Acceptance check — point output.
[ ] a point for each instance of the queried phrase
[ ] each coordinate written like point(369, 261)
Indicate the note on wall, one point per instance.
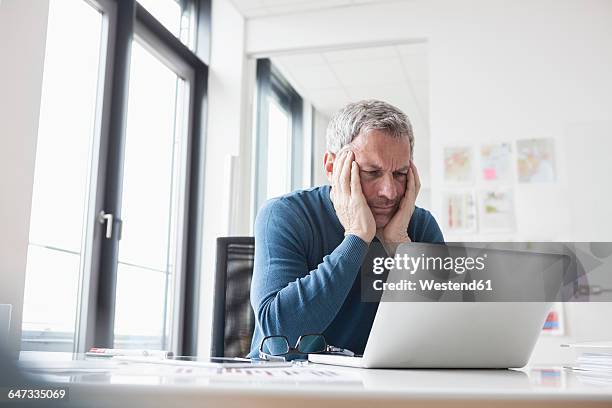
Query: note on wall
point(535, 160)
point(458, 164)
point(459, 211)
point(496, 162)
point(496, 210)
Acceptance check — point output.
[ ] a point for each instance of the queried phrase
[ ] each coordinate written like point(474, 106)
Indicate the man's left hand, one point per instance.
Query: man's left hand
point(396, 231)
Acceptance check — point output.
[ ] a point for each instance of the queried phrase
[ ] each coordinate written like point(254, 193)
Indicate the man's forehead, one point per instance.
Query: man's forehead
point(392, 154)
point(378, 161)
point(365, 165)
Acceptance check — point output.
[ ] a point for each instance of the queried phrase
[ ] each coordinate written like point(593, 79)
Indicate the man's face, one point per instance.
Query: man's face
point(383, 162)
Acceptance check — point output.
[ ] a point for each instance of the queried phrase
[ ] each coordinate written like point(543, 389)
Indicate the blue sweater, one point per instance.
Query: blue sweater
point(304, 277)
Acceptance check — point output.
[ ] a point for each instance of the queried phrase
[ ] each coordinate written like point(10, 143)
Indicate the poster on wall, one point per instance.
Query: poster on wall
point(459, 211)
point(554, 321)
point(535, 160)
point(496, 162)
point(496, 210)
point(458, 166)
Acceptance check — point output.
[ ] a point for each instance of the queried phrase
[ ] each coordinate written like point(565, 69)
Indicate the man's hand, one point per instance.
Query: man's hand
point(396, 231)
point(349, 202)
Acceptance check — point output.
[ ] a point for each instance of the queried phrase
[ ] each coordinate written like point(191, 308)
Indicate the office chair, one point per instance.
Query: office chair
point(233, 319)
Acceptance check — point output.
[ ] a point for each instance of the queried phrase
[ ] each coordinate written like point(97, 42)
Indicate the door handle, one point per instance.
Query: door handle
point(108, 219)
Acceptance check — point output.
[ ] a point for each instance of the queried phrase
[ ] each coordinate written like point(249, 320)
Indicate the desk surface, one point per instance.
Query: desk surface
point(313, 385)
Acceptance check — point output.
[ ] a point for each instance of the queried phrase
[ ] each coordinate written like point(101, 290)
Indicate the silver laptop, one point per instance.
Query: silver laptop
point(474, 334)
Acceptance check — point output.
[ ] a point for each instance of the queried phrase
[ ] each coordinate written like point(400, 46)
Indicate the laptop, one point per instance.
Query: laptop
point(479, 333)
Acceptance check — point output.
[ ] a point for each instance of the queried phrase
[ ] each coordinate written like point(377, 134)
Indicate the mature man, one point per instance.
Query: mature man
point(310, 244)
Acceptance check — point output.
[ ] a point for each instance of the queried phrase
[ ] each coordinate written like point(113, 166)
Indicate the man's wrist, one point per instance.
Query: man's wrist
point(354, 248)
point(364, 237)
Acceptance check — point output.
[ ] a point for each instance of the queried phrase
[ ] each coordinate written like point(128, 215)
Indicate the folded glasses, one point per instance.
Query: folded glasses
point(277, 348)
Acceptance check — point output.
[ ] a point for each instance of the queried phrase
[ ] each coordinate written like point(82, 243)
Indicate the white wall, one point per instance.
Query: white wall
point(319, 147)
point(549, 79)
point(23, 30)
point(501, 70)
point(227, 120)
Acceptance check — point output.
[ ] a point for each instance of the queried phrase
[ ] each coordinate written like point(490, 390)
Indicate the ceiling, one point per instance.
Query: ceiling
point(264, 8)
point(397, 74)
point(331, 78)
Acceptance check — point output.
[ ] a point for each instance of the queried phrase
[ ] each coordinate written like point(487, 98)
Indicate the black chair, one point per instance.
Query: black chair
point(233, 319)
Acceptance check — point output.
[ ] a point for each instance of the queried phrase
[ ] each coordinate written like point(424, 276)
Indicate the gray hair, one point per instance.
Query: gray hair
point(363, 116)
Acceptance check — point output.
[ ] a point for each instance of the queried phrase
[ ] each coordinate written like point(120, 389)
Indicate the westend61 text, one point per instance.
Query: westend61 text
point(430, 284)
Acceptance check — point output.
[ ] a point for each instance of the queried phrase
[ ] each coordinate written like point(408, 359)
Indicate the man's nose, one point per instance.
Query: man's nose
point(386, 187)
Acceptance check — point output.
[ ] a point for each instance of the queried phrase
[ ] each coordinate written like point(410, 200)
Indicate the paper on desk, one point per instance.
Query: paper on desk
point(300, 374)
point(605, 346)
point(203, 364)
point(69, 366)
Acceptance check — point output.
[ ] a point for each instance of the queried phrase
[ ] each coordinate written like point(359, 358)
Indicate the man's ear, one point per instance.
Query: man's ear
point(328, 163)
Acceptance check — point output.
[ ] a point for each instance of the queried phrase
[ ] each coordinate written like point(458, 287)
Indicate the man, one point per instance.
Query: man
point(310, 244)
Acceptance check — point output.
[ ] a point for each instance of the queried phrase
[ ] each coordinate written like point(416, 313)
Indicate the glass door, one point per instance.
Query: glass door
point(145, 294)
point(153, 197)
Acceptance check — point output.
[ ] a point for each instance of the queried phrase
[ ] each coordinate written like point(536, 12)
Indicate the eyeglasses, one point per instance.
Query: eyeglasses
point(277, 348)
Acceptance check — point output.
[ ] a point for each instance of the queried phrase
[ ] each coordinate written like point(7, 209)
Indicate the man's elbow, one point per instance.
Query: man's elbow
point(267, 317)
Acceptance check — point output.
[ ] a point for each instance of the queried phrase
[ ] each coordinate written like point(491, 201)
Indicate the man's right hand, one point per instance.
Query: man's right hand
point(349, 202)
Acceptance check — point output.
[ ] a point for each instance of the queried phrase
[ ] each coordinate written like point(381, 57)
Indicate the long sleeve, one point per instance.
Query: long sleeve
point(286, 297)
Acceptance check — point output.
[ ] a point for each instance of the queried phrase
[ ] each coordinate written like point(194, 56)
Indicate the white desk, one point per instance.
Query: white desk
point(317, 386)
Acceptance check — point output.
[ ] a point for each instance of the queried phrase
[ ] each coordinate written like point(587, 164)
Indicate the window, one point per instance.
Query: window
point(179, 20)
point(151, 202)
point(63, 161)
point(112, 261)
point(279, 135)
point(279, 150)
